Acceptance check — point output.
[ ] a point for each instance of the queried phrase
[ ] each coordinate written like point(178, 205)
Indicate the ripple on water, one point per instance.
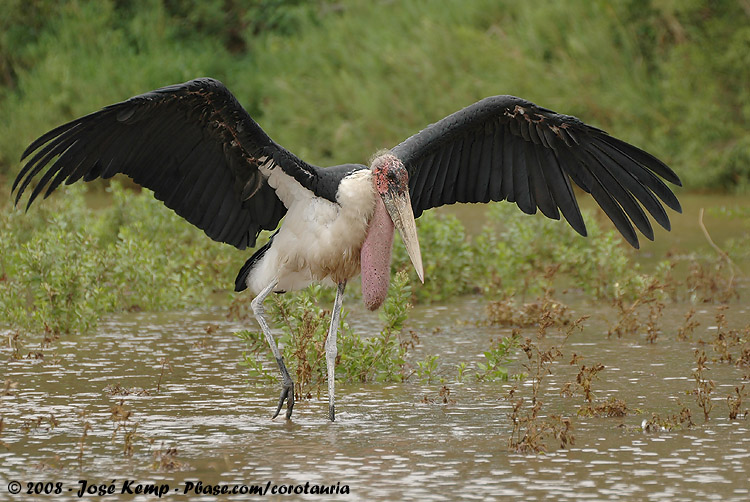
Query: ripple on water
point(387, 444)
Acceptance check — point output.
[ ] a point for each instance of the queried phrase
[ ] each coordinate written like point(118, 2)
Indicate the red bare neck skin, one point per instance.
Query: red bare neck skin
point(376, 257)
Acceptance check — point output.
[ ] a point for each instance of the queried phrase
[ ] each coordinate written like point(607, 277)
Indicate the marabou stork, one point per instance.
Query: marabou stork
point(202, 155)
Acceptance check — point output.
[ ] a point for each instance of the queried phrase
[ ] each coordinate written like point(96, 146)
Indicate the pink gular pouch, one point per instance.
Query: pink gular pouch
point(376, 257)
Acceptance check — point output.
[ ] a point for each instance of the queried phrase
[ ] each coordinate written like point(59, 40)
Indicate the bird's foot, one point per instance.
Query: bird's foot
point(332, 412)
point(287, 394)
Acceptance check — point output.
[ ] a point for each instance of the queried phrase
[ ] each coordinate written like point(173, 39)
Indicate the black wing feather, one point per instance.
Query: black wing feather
point(496, 173)
point(523, 195)
point(542, 193)
point(485, 164)
point(450, 152)
point(514, 150)
point(192, 144)
point(562, 191)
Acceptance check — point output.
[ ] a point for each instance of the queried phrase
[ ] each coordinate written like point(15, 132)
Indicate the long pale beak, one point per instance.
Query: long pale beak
point(398, 206)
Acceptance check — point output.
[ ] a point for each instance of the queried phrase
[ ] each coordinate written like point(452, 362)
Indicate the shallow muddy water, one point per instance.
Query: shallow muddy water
point(203, 420)
point(387, 443)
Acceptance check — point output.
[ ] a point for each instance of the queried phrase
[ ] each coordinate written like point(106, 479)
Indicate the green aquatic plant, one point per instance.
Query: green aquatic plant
point(427, 368)
point(448, 258)
point(500, 355)
point(304, 327)
point(550, 254)
point(64, 265)
point(599, 265)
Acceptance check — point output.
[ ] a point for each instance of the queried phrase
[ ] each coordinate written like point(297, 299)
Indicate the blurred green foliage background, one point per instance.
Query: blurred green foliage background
point(335, 80)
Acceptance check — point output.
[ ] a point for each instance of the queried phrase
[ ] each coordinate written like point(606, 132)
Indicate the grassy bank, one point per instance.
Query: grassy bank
point(335, 81)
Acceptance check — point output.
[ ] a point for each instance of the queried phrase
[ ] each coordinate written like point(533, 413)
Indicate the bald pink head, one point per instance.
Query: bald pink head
point(390, 175)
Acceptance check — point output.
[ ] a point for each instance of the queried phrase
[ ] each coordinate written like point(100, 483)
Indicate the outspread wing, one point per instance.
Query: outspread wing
point(192, 144)
point(507, 148)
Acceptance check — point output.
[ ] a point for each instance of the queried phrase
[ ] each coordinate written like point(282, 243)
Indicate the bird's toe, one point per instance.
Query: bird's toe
point(287, 394)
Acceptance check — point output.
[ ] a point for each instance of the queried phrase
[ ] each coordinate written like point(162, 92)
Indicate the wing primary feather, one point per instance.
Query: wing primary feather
point(57, 131)
point(468, 189)
point(464, 172)
point(52, 171)
point(74, 163)
point(496, 168)
point(61, 176)
point(615, 213)
point(641, 192)
point(482, 190)
point(58, 144)
point(508, 147)
point(40, 185)
point(598, 167)
point(561, 190)
point(542, 194)
point(571, 165)
point(645, 176)
point(31, 169)
point(642, 157)
point(87, 160)
point(523, 195)
point(450, 187)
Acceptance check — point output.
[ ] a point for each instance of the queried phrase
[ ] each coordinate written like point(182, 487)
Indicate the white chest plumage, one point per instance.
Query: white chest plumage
point(319, 240)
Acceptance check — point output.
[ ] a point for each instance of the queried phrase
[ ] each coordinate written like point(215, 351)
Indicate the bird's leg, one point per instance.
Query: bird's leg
point(331, 349)
point(287, 384)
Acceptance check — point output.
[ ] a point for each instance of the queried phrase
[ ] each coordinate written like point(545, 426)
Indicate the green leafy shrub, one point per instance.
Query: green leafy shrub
point(63, 265)
point(304, 328)
point(501, 354)
point(519, 254)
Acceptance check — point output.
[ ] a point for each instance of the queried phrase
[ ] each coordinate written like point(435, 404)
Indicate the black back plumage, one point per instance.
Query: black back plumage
point(507, 148)
point(192, 144)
